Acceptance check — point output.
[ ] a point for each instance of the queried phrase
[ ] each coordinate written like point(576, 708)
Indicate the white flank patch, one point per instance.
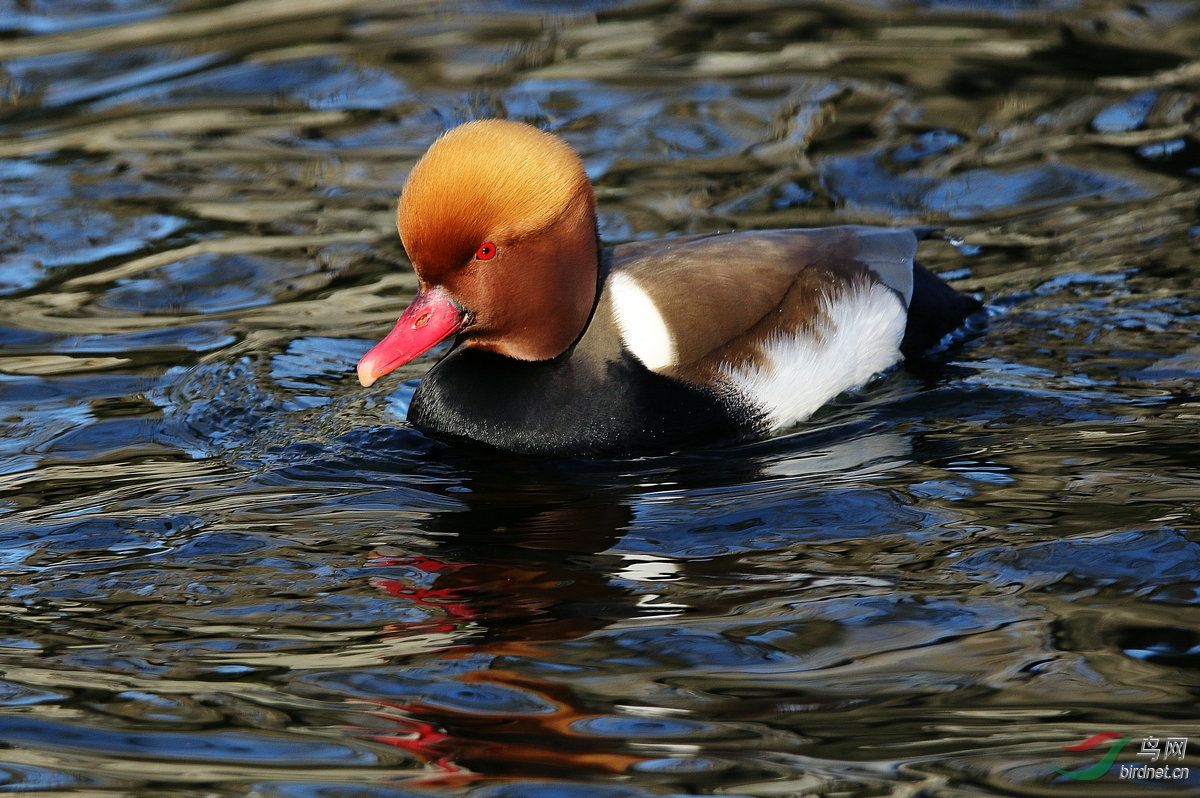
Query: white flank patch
point(643, 330)
point(801, 372)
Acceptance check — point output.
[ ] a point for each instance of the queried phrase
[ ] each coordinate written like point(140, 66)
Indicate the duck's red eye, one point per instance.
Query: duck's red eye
point(486, 251)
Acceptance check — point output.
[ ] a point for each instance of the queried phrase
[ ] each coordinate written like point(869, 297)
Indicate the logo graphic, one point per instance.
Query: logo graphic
point(1100, 768)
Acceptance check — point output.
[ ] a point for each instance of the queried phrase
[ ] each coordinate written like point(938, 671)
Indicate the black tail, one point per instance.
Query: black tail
point(936, 311)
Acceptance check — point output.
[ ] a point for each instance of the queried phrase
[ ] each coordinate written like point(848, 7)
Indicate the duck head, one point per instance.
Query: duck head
point(499, 221)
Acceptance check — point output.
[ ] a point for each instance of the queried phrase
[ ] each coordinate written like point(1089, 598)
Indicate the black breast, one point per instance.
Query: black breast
point(572, 408)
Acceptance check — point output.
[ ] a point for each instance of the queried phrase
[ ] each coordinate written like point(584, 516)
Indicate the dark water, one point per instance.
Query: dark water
point(227, 569)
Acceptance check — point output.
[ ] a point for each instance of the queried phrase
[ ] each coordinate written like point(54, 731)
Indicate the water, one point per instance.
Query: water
point(227, 569)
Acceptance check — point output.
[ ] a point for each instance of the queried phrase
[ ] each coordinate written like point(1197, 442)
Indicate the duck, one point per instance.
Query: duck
point(564, 347)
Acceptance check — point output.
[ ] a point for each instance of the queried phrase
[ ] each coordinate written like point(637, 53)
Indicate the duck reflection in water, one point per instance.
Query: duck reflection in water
point(540, 553)
point(521, 563)
point(519, 556)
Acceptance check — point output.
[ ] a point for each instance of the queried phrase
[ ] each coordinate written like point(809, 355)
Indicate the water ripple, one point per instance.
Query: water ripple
point(229, 747)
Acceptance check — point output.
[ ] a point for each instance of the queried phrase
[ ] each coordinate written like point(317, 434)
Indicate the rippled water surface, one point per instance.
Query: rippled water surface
point(226, 569)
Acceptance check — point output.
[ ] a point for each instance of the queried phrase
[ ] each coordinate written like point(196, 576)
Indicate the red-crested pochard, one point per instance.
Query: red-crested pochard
point(565, 348)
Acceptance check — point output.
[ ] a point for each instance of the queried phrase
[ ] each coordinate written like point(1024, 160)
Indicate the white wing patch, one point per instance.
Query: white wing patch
point(800, 372)
point(643, 330)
